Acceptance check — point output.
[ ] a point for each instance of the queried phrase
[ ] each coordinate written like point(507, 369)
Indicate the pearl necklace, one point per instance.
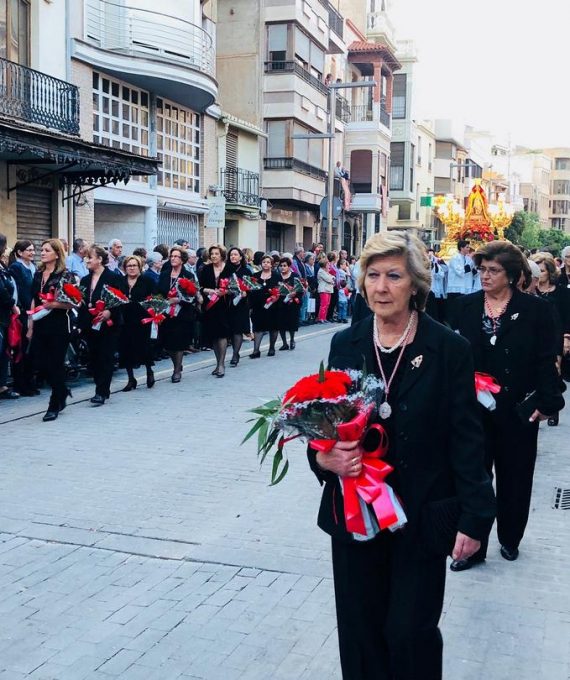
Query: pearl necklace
point(389, 350)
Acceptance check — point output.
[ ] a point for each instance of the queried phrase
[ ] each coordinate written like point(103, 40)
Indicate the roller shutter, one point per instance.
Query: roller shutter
point(34, 214)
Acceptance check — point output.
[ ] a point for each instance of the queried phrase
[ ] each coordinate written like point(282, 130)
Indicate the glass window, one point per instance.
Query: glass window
point(399, 95)
point(302, 46)
point(15, 31)
point(277, 130)
point(277, 42)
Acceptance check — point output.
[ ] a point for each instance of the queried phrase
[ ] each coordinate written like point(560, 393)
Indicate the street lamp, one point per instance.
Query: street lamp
point(330, 135)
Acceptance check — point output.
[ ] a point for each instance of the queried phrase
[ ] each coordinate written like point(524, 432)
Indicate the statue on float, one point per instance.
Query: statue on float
point(477, 225)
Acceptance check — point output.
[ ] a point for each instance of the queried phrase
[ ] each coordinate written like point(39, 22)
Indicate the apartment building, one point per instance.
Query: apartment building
point(46, 162)
point(146, 77)
point(559, 203)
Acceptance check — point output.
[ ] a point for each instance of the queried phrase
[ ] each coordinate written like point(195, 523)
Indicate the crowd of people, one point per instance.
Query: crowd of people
point(278, 293)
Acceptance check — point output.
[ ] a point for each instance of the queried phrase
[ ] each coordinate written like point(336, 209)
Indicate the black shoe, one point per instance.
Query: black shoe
point(271, 352)
point(285, 346)
point(150, 379)
point(131, 385)
point(63, 402)
point(292, 345)
point(553, 420)
point(463, 565)
point(9, 394)
point(220, 374)
point(50, 414)
point(97, 400)
point(176, 377)
point(235, 360)
point(510, 554)
point(256, 355)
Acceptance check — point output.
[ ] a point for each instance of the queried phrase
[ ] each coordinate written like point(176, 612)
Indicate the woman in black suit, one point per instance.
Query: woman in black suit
point(216, 317)
point(389, 587)
point(175, 332)
point(238, 314)
point(135, 345)
point(102, 343)
point(288, 312)
point(22, 271)
point(264, 320)
point(512, 338)
point(49, 336)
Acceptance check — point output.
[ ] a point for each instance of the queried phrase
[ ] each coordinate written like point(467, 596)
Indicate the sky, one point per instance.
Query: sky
point(499, 65)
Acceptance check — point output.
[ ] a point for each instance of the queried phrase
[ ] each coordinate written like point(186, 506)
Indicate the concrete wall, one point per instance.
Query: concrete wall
point(48, 45)
point(120, 221)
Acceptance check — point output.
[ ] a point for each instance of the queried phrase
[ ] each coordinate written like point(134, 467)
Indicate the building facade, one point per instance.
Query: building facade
point(559, 199)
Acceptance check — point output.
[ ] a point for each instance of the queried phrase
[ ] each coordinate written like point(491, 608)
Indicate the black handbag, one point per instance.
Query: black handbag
point(438, 525)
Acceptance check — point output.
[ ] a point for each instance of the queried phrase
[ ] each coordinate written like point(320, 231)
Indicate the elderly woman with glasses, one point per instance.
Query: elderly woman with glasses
point(512, 338)
point(389, 586)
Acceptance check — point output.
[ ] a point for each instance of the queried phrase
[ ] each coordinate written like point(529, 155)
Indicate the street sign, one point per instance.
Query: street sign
point(216, 217)
point(426, 201)
point(337, 206)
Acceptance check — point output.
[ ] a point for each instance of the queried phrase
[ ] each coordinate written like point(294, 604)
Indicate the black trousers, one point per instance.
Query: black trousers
point(510, 447)
point(388, 608)
point(102, 347)
point(49, 351)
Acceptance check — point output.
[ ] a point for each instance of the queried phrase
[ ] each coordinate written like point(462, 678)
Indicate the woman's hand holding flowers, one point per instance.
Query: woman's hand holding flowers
point(344, 459)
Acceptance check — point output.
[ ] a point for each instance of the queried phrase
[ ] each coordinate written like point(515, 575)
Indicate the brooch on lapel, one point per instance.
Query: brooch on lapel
point(514, 317)
point(417, 362)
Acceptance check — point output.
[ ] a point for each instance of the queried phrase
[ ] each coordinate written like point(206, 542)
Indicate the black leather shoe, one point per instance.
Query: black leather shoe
point(50, 415)
point(292, 344)
point(271, 352)
point(463, 565)
point(255, 355)
point(235, 360)
point(176, 377)
point(63, 402)
point(510, 554)
point(97, 400)
point(150, 379)
point(283, 347)
point(131, 385)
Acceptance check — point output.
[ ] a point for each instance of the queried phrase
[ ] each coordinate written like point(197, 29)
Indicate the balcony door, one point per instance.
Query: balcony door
point(15, 31)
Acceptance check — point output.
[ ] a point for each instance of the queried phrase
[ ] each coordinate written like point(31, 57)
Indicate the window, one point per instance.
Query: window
point(445, 150)
point(404, 211)
point(15, 31)
point(412, 163)
point(178, 146)
point(559, 223)
point(561, 186)
point(309, 54)
point(397, 151)
point(307, 150)
point(399, 95)
point(561, 207)
point(120, 115)
point(277, 42)
point(562, 164)
point(419, 150)
point(277, 138)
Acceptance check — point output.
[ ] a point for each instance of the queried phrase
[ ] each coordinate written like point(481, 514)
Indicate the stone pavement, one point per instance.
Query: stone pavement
point(140, 541)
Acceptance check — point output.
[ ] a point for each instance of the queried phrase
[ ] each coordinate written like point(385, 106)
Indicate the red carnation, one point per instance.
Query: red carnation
point(73, 292)
point(329, 385)
point(118, 293)
point(187, 286)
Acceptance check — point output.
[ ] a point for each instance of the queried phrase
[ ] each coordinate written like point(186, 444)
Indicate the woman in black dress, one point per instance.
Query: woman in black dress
point(176, 331)
point(238, 313)
point(264, 320)
point(135, 345)
point(216, 319)
point(22, 270)
point(288, 311)
point(49, 336)
point(101, 340)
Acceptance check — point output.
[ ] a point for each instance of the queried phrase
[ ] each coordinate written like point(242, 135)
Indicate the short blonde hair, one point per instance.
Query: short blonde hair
point(547, 259)
point(399, 244)
point(129, 258)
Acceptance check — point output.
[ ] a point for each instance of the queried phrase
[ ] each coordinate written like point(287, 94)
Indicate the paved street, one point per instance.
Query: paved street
point(140, 541)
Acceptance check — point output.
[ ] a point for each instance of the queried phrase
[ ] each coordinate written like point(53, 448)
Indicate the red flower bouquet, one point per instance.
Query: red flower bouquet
point(325, 408)
point(223, 287)
point(156, 307)
point(66, 293)
point(240, 287)
point(486, 386)
point(185, 290)
point(274, 295)
point(110, 298)
point(291, 293)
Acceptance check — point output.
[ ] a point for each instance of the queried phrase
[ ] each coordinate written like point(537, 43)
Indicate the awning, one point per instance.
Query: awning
point(79, 165)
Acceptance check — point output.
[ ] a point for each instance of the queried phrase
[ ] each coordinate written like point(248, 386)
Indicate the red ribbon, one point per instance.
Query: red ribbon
point(97, 309)
point(484, 381)
point(153, 317)
point(223, 285)
point(370, 484)
point(46, 297)
point(272, 297)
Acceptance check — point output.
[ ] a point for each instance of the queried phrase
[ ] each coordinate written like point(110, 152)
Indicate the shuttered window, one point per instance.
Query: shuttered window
point(34, 214)
point(231, 150)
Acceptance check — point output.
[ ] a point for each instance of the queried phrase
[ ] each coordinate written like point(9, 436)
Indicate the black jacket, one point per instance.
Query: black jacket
point(107, 278)
point(523, 358)
point(6, 296)
point(23, 278)
point(437, 450)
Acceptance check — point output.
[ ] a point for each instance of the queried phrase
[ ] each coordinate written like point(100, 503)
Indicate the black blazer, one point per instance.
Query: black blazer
point(523, 359)
point(437, 448)
point(23, 278)
point(107, 278)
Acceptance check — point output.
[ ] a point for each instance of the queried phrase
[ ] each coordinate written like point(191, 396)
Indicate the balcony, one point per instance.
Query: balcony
point(336, 28)
point(241, 188)
point(290, 163)
point(281, 67)
point(34, 97)
point(165, 54)
point(343, 111)
point(362, 113)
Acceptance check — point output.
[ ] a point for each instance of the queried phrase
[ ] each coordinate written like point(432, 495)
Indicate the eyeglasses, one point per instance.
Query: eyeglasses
point(492, 271)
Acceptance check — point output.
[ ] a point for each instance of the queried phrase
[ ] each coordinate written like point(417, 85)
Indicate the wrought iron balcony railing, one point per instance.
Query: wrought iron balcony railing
point(336, 22)
point(363, 113)
point(276, 67)
point(145, 33)
point(241, 186)
point(290, 163)
point(343, 111)
point(36, 97)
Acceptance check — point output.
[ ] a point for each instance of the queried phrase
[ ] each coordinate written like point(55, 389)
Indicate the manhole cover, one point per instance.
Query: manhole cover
point(561, 499)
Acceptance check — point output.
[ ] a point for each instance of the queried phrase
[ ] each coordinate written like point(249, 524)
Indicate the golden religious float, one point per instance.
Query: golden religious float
point(478, 223)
